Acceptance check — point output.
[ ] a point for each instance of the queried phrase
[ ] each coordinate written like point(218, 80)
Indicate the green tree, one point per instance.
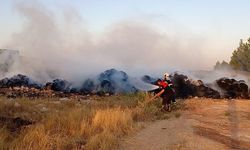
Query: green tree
point(240, 59)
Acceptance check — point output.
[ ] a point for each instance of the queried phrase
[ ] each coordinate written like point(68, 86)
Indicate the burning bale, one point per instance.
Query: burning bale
point(185, 87)
point(114, 82)
point(19, 85)
point(232, 88)
point(23, 86)
point(88, 87)
point(59, 85)
point(202, 90)
point(182, 85)
point(109, 82)
point(148, 79)
point(19, 81)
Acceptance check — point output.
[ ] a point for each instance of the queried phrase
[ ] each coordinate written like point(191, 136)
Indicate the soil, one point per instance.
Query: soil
point(204, 124)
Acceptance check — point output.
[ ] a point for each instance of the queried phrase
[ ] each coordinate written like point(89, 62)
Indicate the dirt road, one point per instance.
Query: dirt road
point(204, 125)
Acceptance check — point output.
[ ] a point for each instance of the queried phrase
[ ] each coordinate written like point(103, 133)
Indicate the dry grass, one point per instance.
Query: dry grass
point(113, 120)
point(4, 136)
point(76, 125)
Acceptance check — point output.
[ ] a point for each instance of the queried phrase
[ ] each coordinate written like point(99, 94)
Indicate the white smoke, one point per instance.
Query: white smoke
point(63, 47)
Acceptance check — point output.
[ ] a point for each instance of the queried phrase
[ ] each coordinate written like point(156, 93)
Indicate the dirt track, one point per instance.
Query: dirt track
point(205, 124)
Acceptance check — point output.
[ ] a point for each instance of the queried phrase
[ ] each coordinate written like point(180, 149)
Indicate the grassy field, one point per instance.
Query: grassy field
point(94, 123)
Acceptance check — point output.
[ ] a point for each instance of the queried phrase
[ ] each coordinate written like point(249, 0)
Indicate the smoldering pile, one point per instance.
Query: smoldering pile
point(233, 88)
point(186, 87)
point(116, 82)
point(107, 83)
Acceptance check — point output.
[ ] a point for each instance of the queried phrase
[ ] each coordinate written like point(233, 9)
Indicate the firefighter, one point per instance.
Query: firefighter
point(166, 78)
point(166, 93)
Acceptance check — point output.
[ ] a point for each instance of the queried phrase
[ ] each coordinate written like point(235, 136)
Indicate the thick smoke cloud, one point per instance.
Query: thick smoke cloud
point(56, 46)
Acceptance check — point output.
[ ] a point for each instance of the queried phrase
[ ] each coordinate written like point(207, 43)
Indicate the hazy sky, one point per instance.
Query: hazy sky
point(212, 28)
point(209, 16)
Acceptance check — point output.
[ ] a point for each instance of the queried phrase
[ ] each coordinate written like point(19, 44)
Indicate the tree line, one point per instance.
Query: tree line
point(240, 59)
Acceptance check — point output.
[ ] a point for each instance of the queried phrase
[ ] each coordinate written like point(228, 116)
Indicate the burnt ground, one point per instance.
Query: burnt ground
point(14, 124)
point(204, 124)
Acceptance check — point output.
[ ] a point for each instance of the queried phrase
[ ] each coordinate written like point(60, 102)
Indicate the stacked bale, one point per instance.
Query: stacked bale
point(19, 81)
point(114, 82)
point(59, 85)
point(232, 88)
point(109, 82)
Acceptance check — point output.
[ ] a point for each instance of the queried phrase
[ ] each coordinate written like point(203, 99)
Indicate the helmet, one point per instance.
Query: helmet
point(166, 76)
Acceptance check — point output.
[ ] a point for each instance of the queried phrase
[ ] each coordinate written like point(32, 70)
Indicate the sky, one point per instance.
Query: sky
point(198, 31)
point(197, 15)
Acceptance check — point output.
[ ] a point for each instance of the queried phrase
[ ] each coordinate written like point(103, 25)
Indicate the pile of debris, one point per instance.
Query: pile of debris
point(114, 82)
